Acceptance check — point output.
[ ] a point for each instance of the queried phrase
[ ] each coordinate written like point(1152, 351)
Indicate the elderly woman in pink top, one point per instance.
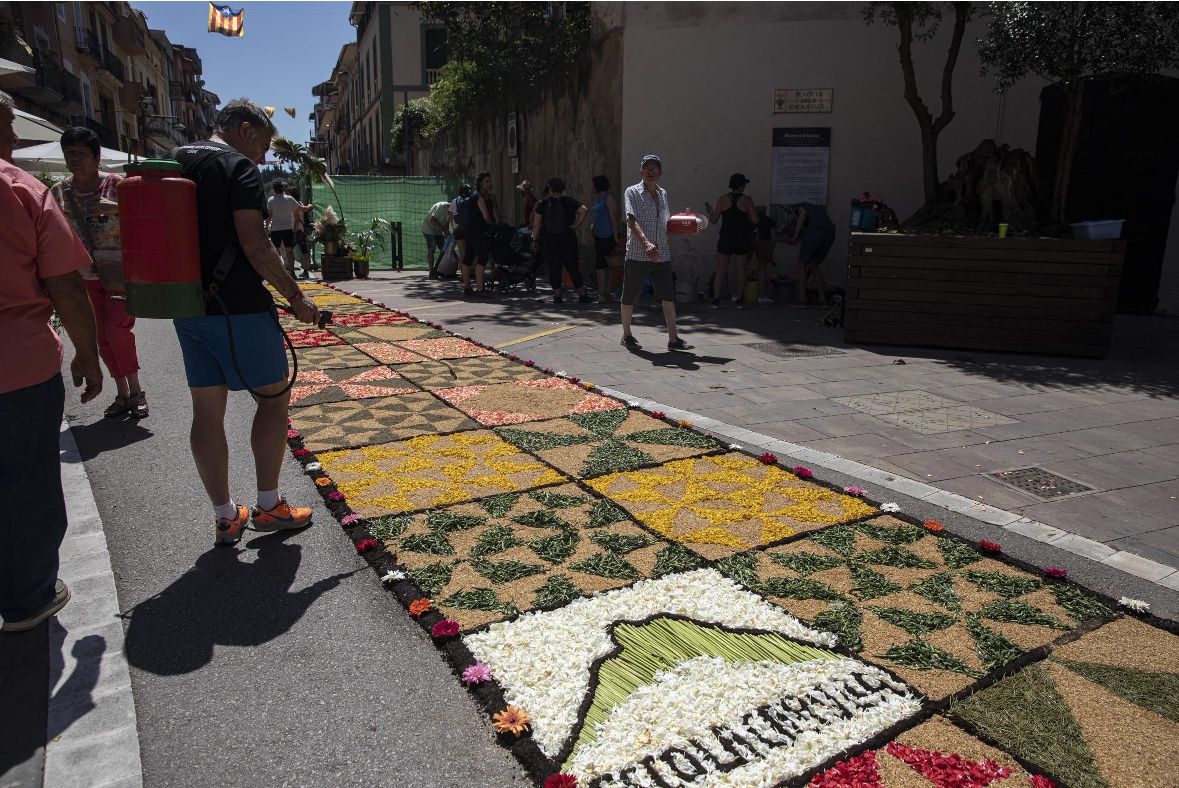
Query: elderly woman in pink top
point(89, 200)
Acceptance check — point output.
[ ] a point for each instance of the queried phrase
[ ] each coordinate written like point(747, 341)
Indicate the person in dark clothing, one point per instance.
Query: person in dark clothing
point(555, 221)
point(763, 251)
point(477, 234)
point(817, 232)
point(737, 216)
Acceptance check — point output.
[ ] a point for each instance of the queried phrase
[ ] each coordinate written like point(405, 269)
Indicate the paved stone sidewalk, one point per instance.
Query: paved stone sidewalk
point(964, 422)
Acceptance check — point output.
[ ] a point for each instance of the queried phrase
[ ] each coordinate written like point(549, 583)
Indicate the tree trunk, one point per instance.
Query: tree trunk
point(929, 180)
point(1068, 149)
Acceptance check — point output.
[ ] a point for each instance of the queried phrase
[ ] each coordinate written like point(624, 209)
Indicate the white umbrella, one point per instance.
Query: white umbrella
point(33, 129)
point(48, 157)
point(8, 67)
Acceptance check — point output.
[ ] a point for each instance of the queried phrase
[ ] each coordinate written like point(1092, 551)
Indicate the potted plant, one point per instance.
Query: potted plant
point(329, 230)
point(366, 242)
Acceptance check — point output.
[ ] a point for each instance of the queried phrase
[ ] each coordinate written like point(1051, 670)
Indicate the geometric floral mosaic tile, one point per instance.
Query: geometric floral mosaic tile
point(332, 357)
point(359, 308)
point(373, 318)
point(712, 663)
point(313, 337)
point(432, 375)
point(445, 347)
point(935, 753)
point(489, 559)
point(720, 505)
point(316, 387)
point(525, 400)
point(388, 353)
point(432, 470)
point(393, 333)
point(593, 444)
point(353, 422)
point(933, 609)
point(1102, 710)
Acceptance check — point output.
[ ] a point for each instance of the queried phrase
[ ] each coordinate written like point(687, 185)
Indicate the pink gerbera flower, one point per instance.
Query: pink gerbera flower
point(477, 673)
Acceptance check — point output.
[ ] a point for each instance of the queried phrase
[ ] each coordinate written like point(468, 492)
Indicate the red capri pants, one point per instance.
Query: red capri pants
point(116, 343)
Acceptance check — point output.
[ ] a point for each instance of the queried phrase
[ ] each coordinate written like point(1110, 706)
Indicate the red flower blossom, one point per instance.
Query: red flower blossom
point(514, 358)
point(1042, 782)
point(948, 769)
point(990, 547)
point(933, 526)
point(574, 380)
point(768, 458)
point(445, 628)
point(364, 545)
point(561, 781)
point(1055, 571)
point(292, 434)
point(858, 772)
point(530, 363)
point(802, 472)
point(658, 414)
point(301, 453)
point(335, 495)
point(419, 606)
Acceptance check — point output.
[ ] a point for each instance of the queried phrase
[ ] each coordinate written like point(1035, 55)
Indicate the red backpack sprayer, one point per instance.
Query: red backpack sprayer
point(161, 253)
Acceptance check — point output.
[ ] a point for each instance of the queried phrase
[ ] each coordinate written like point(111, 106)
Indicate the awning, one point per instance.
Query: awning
point(8, 67)
point(48, 157)
point(33, 129)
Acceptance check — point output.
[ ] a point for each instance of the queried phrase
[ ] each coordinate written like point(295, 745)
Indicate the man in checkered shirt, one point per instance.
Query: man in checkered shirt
point(647, 252)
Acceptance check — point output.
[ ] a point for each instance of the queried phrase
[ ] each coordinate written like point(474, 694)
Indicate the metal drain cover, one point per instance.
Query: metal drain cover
point(1040, 483)
point(794, 349)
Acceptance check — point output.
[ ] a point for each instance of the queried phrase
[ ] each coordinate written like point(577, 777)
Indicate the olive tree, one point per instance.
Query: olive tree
point(1071, 44)
point(918, 22)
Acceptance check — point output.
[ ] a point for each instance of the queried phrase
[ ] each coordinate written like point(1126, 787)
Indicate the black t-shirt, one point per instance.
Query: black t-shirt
point(765, 227)
point(225, 183)
point(570, 207)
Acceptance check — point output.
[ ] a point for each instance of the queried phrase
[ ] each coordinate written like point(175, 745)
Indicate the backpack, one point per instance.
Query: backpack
point(555, 220)
point(462, 216)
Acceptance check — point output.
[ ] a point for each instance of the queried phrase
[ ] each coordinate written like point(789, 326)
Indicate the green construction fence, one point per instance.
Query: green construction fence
point(396, 199)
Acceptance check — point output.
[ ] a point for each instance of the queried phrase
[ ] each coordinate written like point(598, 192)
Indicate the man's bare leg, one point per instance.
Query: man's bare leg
point(268, 436)
point(210, 451)
point(669, 319)
point(628, 311)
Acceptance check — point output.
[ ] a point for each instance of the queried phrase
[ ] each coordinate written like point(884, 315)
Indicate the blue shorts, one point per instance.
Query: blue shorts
point(261, 353)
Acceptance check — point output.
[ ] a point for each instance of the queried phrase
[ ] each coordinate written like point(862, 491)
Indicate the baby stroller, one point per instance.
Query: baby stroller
point(511, 260)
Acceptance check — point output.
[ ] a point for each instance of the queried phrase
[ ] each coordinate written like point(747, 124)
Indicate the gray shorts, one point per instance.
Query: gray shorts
point(636, 272)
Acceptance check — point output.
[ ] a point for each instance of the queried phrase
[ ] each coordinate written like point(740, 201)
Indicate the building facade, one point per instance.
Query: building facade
point(97, 64)
point(394, 60)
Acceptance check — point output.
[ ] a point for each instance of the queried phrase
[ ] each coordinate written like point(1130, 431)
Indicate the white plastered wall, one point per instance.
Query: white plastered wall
point(699, 81)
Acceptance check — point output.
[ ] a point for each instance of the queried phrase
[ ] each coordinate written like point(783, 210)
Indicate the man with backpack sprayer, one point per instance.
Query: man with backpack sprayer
point(554, 230)
point(230, 203)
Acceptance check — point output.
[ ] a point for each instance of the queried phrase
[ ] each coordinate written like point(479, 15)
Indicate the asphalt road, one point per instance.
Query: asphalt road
point(278, 663)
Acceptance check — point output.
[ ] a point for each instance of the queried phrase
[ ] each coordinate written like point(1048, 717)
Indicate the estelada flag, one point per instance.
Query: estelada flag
point(226, 21)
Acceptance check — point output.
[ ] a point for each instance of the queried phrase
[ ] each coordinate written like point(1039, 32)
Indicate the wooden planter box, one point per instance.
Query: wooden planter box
point(336, 267)
point(1045, 296)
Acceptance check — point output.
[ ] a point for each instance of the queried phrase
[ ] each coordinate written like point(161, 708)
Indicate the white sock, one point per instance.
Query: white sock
point(267, 499)
point(226, 511)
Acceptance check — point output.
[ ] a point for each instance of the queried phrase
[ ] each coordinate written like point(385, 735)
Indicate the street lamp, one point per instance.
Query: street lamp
point(147, 107)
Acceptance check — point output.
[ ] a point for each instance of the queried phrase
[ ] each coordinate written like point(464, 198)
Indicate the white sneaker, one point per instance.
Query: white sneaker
point(734, 300)
point(765, 300)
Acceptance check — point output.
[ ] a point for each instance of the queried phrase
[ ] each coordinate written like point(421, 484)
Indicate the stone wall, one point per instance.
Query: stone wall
point(570, 127)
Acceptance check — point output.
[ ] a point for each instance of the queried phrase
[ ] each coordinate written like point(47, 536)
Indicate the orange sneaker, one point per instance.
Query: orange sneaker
point(227, 531)
point(283, 517)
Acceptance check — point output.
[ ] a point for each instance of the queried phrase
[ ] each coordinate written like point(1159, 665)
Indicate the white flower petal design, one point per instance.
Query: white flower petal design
point(890, 507)
point(542, 659)
point(1137, 605)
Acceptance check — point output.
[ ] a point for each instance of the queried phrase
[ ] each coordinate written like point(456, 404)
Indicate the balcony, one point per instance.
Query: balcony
point(176, 89)
point(129, 35)
point(87, 43)
point(48, 86)
point(106, 135)
point(112, 65)
point(432, 75)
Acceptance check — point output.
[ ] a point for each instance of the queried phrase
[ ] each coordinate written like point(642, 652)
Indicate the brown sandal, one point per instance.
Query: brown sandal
point(137, 405)
point(117, 408)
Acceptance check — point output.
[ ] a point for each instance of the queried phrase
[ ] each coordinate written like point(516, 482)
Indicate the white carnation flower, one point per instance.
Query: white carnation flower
point(392, 576)
point(1137, 605)
point(311, 467)
point(890, 507)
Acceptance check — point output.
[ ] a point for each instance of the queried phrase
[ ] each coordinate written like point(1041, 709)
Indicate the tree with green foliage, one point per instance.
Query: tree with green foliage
point(919, 22)
point(299, 156)
point(497, 49)
point(1071, 44)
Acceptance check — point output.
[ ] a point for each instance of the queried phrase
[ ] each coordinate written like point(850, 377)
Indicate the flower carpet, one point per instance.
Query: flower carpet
point(635, 604)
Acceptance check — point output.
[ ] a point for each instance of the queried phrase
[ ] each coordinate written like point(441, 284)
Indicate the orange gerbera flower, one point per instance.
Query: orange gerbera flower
point(511, 720)
point(419, 606)
point(322, 481)
point(934, 526)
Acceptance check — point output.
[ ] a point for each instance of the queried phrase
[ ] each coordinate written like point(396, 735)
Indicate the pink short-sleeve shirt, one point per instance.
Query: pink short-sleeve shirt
point(36, 242)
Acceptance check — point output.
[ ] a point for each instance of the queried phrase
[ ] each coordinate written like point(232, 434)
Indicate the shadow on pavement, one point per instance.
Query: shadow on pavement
point(679, 360)
point(222, 600)
point(107, 434)
point(24, 687)
point(73, 700)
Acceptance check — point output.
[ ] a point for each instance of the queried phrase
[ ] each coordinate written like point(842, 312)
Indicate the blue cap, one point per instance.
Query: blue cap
point(651, 157)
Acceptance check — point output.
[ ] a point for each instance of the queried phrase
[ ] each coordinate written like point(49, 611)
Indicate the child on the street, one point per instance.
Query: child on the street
point(763, 252)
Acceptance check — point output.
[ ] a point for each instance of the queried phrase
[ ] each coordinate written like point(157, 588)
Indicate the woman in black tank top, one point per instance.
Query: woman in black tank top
point(738, 222)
